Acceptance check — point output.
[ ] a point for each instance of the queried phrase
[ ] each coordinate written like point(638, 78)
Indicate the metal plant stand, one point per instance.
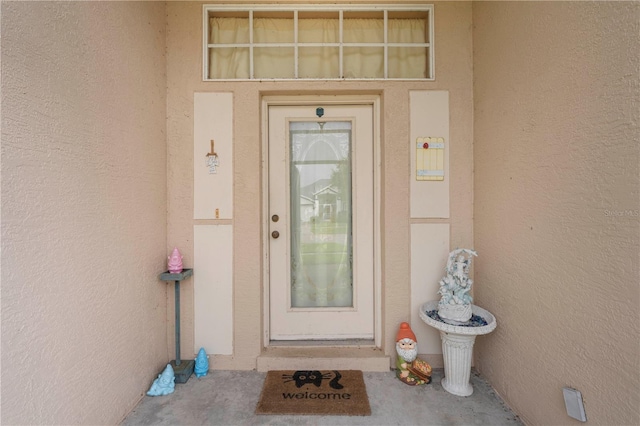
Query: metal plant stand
point(182, 370)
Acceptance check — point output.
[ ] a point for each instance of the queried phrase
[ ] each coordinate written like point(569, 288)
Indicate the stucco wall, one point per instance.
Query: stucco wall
point(556, 205)
point(83, 209)
point(184, 75)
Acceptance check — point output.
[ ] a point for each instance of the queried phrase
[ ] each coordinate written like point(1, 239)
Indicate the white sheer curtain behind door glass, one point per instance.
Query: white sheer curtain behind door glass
point(321, 214)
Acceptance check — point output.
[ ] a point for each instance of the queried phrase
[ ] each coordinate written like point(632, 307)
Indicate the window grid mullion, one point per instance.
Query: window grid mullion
point(206, 72)
point(340, 41)
point(296, 64)
point(214, 46)
point(430, 56)
point(386, 47)
point(251, 71)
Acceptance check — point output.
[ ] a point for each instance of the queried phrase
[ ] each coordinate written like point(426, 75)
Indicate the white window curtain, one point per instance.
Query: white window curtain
point(407, 62)
point(229, 62)
point(317, 61)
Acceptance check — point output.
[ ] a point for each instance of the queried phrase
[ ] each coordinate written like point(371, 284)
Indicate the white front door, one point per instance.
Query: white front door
point(321, 222)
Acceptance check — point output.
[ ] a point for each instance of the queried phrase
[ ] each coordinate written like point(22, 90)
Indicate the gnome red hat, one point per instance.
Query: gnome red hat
point(405, 332)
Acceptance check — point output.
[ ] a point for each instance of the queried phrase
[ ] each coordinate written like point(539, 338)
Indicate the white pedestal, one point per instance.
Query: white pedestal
point(456, 353)
point(457, 347)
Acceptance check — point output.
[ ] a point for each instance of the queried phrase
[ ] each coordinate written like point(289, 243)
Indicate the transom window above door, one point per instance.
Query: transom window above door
point(318, 42)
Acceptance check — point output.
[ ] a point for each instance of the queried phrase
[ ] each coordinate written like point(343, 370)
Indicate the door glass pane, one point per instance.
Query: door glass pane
point(321, 240)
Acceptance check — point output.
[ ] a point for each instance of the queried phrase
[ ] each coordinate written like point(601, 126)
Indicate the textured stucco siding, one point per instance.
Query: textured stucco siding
point(544, 101)
point(556, 206)
point(83, 209)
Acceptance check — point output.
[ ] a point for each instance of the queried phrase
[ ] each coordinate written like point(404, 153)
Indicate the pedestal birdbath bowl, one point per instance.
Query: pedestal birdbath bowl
point(457, 346)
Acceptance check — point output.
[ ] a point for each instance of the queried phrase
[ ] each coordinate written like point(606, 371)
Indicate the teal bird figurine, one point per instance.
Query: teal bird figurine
point(202, 363)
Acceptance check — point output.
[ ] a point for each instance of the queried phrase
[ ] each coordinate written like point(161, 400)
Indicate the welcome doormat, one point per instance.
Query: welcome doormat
point(336, 393)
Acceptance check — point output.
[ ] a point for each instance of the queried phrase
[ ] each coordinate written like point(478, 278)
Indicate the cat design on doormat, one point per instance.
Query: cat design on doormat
point(313, 377)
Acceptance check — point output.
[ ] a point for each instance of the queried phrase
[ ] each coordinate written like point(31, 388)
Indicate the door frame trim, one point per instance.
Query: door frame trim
point(311, 100)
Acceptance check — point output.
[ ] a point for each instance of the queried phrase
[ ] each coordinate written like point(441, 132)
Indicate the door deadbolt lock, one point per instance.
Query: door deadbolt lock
point(275, 234)
point(275, 218)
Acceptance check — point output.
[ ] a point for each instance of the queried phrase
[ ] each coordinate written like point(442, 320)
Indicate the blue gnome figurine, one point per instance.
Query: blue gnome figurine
point(164, 384)
point(202, 363)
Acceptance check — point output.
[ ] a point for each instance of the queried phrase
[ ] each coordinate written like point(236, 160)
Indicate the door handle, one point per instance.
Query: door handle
point(275, 218)
point(275, 234)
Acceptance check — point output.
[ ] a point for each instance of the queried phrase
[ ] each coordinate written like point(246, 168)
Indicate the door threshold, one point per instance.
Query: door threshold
point(323, 355)
point(323, 343)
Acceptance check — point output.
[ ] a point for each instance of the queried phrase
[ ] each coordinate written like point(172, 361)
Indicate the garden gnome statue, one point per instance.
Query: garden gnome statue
point(409, 368)
point(175, 262)
point(164, 384)
point(202, 363)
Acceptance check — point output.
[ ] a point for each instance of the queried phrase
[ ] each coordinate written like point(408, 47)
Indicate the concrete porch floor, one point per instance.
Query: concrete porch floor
point(230, 398)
